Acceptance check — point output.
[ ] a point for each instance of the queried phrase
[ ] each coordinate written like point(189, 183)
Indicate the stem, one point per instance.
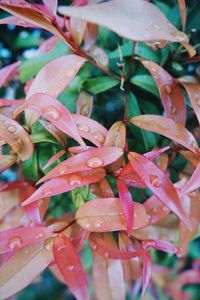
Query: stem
point(131, 60)
point(67, 226)
point(77, 50)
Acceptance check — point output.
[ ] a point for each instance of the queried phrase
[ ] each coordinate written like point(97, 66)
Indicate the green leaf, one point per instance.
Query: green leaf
point(45, 153)
point(100, 84)
point(141, 50)
point(42, 136)
point(30, 168)
point(133, 110)
point(145, 82)
point(26, 40)
point(31, 67)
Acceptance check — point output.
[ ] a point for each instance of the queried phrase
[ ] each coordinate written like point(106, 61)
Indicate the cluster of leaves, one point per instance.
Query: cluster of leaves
point(132, 179)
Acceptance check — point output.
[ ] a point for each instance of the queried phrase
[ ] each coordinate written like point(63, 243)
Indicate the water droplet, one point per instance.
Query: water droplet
point(193, 145)
point(164, 208)
point(153, 70)
point(39, 236)
point(130, 248)
point(47, 192)
point(12, 128)
point(173, 109)
point(98, 136)
point(106, 254)
point(70, 267)
point(168, 89)
point(154, 209)
point(154, 181)
point(63, 169)
point(75, 179)
point(94, 247)
point(88, 225)
point(198, 100)
point(61, 247)
point(51, 112)
point(71, 73)
point(156, 26)
point(94, 162)
point(15, 243)
point(98, 223)
point(83, 127)
point(85, 109)
point(26, 251)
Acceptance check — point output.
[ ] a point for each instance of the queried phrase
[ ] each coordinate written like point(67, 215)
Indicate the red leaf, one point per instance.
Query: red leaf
point(193, 183)
point(54, 158)
point(70, 267)
point(193, 91)
point(53, 111)
point(65, 184)
point(171, 94)
point(147, 269)
point(16, 136)
point(182, 7)
point(90, 129)
point(159, 184)
point(168, 128)
point(105, 214)
point(15, 239)
point(6, 72)
point(155, 209)
point(85, 161)
point(160, 245)
point(127, 205)
point(116, 136)
point(80, 238)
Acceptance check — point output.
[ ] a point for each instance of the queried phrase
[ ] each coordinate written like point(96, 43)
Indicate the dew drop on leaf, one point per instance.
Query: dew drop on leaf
point(83, 127)
point(62, 170)
point(39, 235)
point(12, 128)
point(156, 26)
point(168, 89)
point(51, 112)
point(70, 267)
point(106, 254)
point(154, 181)
point(94, 247)
point(94, 162)
point(71, 73)
point(47, 192)
point(98, 136)
point(75, 179)
point(98, 223)
point(15, 243)
point(198, 100)
point(61, 247)
point(173, 109)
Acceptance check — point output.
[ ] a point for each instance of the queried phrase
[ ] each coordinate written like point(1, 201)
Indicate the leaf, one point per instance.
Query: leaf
point(8, 102)
point(193, 182)
point(30, 167)
point(116, 135)
point(18, 238)
point(65, 184)
point(84, 104)
point(58, 135)
point(30, 14)
point(168, 128)
point(109, 250)
point(171, 94)
point(193, 91)
point(101, 215)
point(108, 277)
point(70, 266)
point(16, 136)
point(51, 6)
point(54, 158)
point(146, 273)
point(56, 75)
point(23, 268)
point(146, 82)
point(160, 245)
point(159, 184)
point(7, 71)
point(100, 84)
point(6, 161)
point(127, 205)
point(155, 209)
point(85, 161)
point(182, 7)
point(32, 66)
point(8, 201)
point(77, 29)
point(16, 21)
point(147, 20)
point(90, 129)
point(53, 111)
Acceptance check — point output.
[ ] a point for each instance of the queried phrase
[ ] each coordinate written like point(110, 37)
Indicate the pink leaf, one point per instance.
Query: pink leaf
point(160, 245)
point(193, 183)
point(159, 184)
point(51, 6)
point(54, 158)
point(7, 102)
point(15, 239)
point(90, 129)
point(6, 72)
point(147, 269)
point(171, 94)
point(53, 111)
point(65, 184)
point(127, 205)
point(59, 135)
point(85, 161)
point(70, 267)
point(6, 161)
point(105, 214)
point(14, 20)
point(168, 128)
